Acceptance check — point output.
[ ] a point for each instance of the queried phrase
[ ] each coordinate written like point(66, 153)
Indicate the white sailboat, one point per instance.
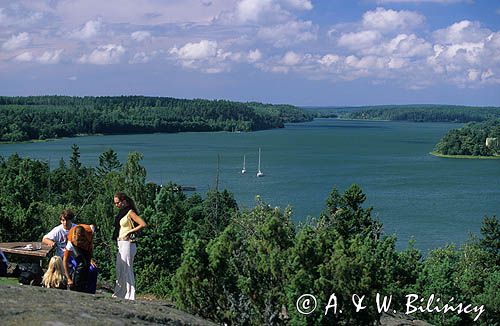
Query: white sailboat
point(259, 173)
point(244, 170)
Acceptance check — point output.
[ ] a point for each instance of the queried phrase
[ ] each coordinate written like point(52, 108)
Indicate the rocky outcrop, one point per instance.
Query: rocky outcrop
point(399, 319)
point(30, 305)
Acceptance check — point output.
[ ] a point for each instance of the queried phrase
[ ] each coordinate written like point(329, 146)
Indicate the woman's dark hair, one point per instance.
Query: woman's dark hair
point(130, 202)
point(67, 214)
point(123, 211)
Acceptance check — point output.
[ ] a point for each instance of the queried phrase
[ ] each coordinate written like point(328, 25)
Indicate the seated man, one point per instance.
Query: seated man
point(58, 236)
point(80, 248)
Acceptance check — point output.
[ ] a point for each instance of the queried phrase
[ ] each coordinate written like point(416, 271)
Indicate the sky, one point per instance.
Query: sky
point(301, 52)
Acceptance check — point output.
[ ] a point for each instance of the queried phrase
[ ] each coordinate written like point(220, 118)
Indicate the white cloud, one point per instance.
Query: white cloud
point(50, 57)
point(141, 36)
point(466, 53)
point(104, 55)
point(88, 30)
point(291, 59)
point(493, 41)
point(464, 31)
point(299, 4)
point(329, 59)
point(254, 56)
point(135, 12)
point(144, 57)
point(382, 44)
point(408, 46)
point(487, 74)
point(359, 40)
point(72, 78)
point(17, 41)
point(140, 57)
point(204, 56)
point(366, 63)
point(473, 74)
point(404, 46)
point(463, 54)
point(253, 10)
point(263, 12)
point(291, 32)
point(24, 57)
point(15, 15)
point(196, 51)
point(390, 20)
point(458, 54)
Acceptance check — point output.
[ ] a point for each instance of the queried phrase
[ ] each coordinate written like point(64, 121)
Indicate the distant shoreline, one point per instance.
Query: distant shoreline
point(471, 157)
point(47, 139)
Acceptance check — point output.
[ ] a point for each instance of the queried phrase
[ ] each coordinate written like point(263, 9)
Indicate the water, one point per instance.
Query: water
point(434, 200)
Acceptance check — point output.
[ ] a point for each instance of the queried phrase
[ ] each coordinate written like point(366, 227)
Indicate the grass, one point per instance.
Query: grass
point(9, 281)
point(466, 156)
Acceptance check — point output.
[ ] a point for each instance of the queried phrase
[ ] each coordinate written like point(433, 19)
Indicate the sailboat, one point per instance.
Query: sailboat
point(244, 170)
point(259, 173)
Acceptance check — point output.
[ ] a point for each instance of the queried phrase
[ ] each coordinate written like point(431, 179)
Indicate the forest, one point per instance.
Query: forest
point(44, 117)
point(471, 139)
point(249, 266)
point(421, 113)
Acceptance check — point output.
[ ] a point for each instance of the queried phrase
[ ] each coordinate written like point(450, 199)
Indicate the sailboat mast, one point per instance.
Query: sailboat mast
point(259, 173)
point(259, 159)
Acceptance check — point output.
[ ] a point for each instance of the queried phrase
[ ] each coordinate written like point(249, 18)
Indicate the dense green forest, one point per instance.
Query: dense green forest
point(42, 117)
point(471, 140)
point(250, 266)
point(421, 113)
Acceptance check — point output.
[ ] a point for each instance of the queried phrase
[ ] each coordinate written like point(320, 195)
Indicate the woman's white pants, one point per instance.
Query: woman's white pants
point(125, 281)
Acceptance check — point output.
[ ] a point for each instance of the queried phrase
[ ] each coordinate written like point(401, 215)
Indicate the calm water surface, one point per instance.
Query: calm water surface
point(434, 200)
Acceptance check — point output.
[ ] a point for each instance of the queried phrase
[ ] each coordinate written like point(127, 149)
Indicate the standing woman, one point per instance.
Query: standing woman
point(127, 223)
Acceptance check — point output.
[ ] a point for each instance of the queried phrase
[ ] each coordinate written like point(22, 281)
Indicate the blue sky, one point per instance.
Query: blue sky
point(302, 52)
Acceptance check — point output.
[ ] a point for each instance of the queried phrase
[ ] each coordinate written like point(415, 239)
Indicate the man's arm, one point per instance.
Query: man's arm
point(49, 238)
point(48, 242)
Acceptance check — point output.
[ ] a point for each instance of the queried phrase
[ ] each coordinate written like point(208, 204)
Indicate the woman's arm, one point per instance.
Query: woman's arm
point(138, 220)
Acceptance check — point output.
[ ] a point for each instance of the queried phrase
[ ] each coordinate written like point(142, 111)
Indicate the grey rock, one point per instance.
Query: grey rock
point(399, 319)
point(30, 305)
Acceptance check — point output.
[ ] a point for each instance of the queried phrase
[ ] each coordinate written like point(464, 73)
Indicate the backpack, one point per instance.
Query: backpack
point(31, 274)
point(3, 268)
point(3, 264)
point(81, 240)
point(80, 274)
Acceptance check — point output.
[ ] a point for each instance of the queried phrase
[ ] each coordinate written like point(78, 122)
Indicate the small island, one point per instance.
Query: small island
point(474, 140)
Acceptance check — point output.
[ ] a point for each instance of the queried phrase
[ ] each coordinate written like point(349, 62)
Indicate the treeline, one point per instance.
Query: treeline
point(288, 113)
point(249, 267)
point(471, 140)
point(424, 113)
point(43, 117)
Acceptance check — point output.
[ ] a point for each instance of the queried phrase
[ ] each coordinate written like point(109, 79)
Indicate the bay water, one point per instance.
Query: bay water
point(434, 200)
